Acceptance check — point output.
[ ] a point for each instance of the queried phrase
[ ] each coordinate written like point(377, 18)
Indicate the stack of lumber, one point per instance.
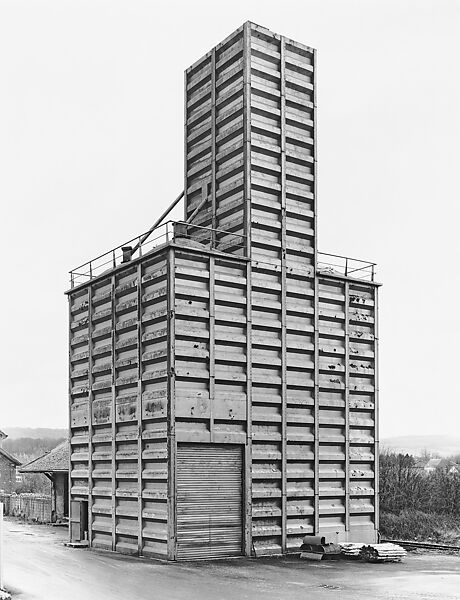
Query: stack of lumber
point(382, 553)
point(350, 550)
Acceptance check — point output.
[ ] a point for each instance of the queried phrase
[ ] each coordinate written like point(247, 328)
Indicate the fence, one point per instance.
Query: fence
point(334, 264)
point(31, 507)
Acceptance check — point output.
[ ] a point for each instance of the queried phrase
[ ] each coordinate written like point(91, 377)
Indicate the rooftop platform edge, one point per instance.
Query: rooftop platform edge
point(153, 252)
point(340, 277)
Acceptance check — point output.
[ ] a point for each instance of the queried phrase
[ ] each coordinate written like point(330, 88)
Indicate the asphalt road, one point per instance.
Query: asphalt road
point(38, 566)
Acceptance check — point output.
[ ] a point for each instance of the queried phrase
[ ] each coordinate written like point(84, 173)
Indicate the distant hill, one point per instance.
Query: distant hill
point(25, 448)
point(444, 445)
point(35, 433)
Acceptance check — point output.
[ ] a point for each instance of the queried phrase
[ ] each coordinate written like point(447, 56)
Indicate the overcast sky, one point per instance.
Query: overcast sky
point(91, 150)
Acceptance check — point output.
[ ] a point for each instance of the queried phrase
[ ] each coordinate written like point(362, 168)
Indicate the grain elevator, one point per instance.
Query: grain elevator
point(223, 373)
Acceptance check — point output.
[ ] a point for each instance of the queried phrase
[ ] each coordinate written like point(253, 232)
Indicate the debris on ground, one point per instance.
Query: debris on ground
point(314, 547)
point(387, 552)
point(351, 549)
point(382, 553)
point(4, 595)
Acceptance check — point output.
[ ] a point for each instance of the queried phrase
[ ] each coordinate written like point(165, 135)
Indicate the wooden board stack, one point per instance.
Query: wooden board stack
point(351, 550)
point(382, 553)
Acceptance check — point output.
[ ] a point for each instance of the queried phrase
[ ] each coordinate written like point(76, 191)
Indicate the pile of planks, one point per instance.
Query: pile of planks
point(382, 553)
point(350, 549)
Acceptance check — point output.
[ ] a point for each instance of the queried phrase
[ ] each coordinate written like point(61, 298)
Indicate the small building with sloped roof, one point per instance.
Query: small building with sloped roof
point(432, 465)
point(8, 471)
point(54, 465)
point(8, 468)
point(441, 464)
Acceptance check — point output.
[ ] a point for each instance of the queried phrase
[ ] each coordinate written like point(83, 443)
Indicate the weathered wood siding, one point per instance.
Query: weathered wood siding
point(250, 157)
point(118, 405)
point(234, 341)
point(347, 430)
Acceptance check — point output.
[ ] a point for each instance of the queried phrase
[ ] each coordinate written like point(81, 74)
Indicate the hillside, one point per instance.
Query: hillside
point(444, 445)
point(26, 448)
point(35, 433)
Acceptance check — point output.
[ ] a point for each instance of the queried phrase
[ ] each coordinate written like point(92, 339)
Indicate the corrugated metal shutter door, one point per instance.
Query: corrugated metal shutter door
point(209, 501)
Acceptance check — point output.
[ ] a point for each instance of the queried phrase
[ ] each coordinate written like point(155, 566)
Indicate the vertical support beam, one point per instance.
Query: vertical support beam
point(114, 418)
point(283, 297)
point(316, 409)
point(213, 148)
point(248, 454)
point(1, 546)
point(316, 309)
point(171, 408)
point(376, 411)
point(247, 132)
point(347, 405)
point(70, 413)
point(185, 147)
point(212, 342)
point(247, 217)
point(315, 157)
point(140, 482)
point(90, 414)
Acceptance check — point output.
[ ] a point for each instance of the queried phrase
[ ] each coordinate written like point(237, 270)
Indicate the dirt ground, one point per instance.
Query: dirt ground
point(39, 567)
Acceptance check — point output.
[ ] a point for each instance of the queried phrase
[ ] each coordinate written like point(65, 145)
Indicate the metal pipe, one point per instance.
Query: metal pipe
point(199, 207)
point(158, 222)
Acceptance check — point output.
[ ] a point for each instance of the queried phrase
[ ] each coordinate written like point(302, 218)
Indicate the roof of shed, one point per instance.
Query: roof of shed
point(10, 457)
point(56, 459)
point(435, 463)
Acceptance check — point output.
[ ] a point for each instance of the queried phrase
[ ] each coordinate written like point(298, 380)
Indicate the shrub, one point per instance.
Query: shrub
point(404, 487)
point(420, 526)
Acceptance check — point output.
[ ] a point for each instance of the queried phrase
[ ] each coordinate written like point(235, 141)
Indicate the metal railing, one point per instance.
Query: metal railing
point(211, 239)
point(215, 239)
point(334, 264)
